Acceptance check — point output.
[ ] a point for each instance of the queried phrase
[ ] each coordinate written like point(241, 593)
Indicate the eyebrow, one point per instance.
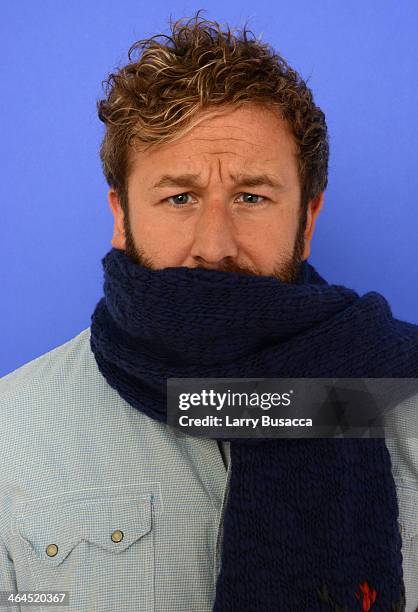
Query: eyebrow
point(192, 180)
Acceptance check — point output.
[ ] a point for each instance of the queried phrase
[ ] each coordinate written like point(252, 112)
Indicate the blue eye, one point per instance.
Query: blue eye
point(178, 204)
point(252, 195)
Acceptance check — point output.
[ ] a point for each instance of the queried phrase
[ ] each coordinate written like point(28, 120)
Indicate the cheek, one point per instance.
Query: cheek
point(163, 240)
point(150, 228)
point(265, 237)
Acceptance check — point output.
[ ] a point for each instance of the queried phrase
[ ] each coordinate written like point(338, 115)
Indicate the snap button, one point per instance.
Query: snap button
point(117, 535)
point(51, 550)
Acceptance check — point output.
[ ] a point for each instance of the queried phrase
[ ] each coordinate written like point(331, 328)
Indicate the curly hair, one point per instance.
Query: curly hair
point(160, 96)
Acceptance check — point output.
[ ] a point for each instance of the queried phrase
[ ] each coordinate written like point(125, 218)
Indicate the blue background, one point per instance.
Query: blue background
point(359, 58)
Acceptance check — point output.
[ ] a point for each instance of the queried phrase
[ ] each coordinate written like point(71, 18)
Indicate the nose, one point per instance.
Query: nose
point(214, 238)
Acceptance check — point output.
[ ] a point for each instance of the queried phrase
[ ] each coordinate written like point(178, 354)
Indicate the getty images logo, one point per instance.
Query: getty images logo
point(217, 400)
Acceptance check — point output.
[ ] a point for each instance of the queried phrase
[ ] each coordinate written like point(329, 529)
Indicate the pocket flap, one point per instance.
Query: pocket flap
point(113, 524)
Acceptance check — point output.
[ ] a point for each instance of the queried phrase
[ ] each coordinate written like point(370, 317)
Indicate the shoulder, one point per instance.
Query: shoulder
point(64, 427)
point(402, 443)
point(53, 372)
point(401, 426)
point(47, 398)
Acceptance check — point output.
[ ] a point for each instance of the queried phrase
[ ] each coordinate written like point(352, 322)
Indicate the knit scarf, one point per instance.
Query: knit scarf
point(309, 524)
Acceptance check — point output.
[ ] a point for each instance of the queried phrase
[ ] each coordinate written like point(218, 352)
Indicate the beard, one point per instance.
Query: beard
point(286, 271)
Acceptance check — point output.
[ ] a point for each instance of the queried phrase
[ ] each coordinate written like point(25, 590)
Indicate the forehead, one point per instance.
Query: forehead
point(250, 135)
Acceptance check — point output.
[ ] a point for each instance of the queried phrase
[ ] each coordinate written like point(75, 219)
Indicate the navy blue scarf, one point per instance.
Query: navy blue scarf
point(310, 524)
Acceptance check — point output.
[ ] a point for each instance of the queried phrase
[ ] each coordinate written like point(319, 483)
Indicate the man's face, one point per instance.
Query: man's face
point(226, 196)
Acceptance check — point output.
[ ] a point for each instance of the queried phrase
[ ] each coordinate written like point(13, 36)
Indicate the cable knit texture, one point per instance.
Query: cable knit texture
point(307, 521)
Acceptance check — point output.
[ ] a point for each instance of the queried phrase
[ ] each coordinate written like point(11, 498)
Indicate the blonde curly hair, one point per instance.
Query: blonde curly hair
point(160, 96)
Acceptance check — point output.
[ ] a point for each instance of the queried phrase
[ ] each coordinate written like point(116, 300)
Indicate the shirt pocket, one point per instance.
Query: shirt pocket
point(408, 526)
point(101, 551)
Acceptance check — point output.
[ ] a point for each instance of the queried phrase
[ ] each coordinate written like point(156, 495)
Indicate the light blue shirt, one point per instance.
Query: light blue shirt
point(102, 501)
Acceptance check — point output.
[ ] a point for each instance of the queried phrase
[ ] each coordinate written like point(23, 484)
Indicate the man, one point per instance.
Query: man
point(216, 157)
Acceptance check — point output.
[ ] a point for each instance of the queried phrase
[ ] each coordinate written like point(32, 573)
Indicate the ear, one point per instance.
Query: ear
point(314, 207)
point(118, 238)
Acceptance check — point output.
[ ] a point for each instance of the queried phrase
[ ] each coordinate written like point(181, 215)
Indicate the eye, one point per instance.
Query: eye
point(252, 195)
point(178, 204)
